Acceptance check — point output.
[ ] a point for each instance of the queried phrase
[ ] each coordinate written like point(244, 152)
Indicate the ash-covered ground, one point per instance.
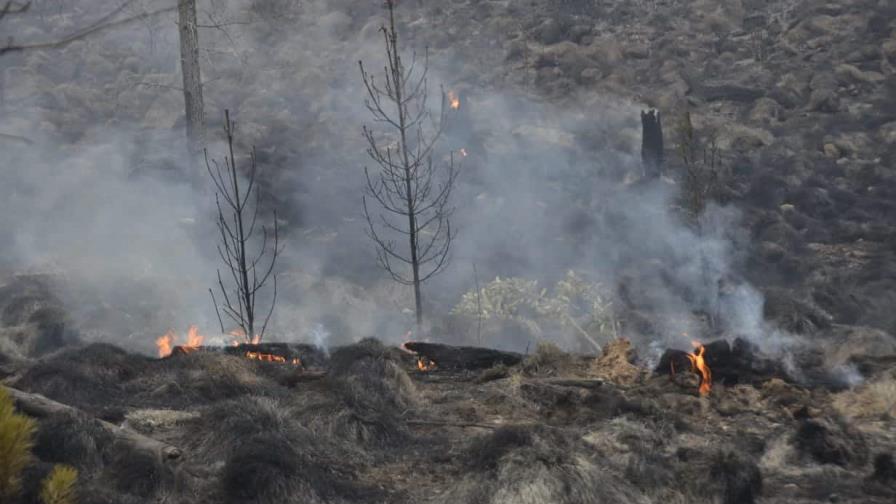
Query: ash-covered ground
point(109, 242)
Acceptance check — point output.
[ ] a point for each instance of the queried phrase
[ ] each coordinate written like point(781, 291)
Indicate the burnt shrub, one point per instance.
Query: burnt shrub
point(738, 476)
point(830, 442)
point(486, 451)
point(71, 439)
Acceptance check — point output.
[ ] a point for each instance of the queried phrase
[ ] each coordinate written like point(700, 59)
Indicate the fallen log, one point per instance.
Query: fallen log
point(39, 406)
point(588, 383)
point(308, 356)
point(448, 357)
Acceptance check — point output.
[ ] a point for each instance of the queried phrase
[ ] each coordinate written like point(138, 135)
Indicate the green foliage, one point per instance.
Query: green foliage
point(574, 304)
point(59, 486)
point(16, 441)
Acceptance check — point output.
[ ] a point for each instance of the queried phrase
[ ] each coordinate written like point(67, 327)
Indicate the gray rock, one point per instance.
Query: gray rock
point(824, 100)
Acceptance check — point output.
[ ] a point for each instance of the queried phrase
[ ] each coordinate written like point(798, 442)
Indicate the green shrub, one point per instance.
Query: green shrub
point(16, 440)
point(577, 305)
point(59, 486)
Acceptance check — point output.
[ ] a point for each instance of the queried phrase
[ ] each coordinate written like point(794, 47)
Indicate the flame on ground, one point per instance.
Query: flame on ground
point(453, 100)
point(266, 357)
point(699, 365)
point(240, 337)
point(463, 152)
point(424, 364)
point(166, 342)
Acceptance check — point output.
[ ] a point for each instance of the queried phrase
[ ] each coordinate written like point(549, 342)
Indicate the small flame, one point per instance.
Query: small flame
point(424, 364)
point(165, 343)
point(240, 337)
point(699, 365)
point(453, 100)
point(266, 357)
point(463, 152)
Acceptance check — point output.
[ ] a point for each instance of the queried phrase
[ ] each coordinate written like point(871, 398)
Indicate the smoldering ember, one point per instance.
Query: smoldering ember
point(466, 251)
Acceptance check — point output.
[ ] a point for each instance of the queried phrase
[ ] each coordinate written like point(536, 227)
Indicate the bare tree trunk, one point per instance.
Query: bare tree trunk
point(189, 64)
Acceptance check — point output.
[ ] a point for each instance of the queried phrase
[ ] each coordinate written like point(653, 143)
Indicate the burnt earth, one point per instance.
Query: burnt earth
point(375, 429)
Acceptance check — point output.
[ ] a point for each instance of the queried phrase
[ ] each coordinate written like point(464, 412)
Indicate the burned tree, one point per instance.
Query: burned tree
point(652, 143)
point(237, 218)
point(413, 191)
point(189, 65)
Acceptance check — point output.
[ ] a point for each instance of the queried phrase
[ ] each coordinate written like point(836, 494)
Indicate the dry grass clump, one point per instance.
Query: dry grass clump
point(89, 377)
point(375, 390)
point(548, 360)
point(269, 457)
point(873, 400)
point(213, 376)
point(616, 363)
point(534, 466)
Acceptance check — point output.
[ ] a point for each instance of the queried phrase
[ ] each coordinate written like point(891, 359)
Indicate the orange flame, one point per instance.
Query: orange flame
point(698, 364)
point(424, 364)
point(240, 337)
point(165, 343)
point(453, 100)
point(266, 357)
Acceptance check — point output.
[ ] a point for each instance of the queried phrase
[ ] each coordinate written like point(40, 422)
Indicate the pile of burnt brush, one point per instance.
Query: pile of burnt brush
point(432, 423)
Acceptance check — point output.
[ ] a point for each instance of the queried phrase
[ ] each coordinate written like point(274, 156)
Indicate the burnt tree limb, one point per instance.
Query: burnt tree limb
point(730, 363)
point(463, 358)
point(309, 355)
point(652, 150)
point(39, 406)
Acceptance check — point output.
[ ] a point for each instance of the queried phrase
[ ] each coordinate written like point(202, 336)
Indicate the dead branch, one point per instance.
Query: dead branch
point(432, 423)
point(103, 24)
point(39, 406)
point(16, 138)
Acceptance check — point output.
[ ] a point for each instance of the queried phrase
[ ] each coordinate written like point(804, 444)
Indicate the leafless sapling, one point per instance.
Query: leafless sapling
point(702, 177)
point(412, 190)
point(249, 269)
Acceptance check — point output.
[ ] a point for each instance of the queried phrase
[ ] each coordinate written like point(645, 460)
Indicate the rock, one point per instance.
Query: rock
point(854, 144)
point(887, 133)
point(831, 151)
point(771, 252)
point(550, 32)
point(888, 50)
point(636, 51)
point(790, 91)
point(730, 91)
point(515, 51)
point(823, 100)
point(765, 110)
point(590, 75)
point(848, 74)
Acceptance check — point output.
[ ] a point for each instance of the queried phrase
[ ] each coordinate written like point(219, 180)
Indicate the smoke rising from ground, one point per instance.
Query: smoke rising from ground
point(544, 189)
